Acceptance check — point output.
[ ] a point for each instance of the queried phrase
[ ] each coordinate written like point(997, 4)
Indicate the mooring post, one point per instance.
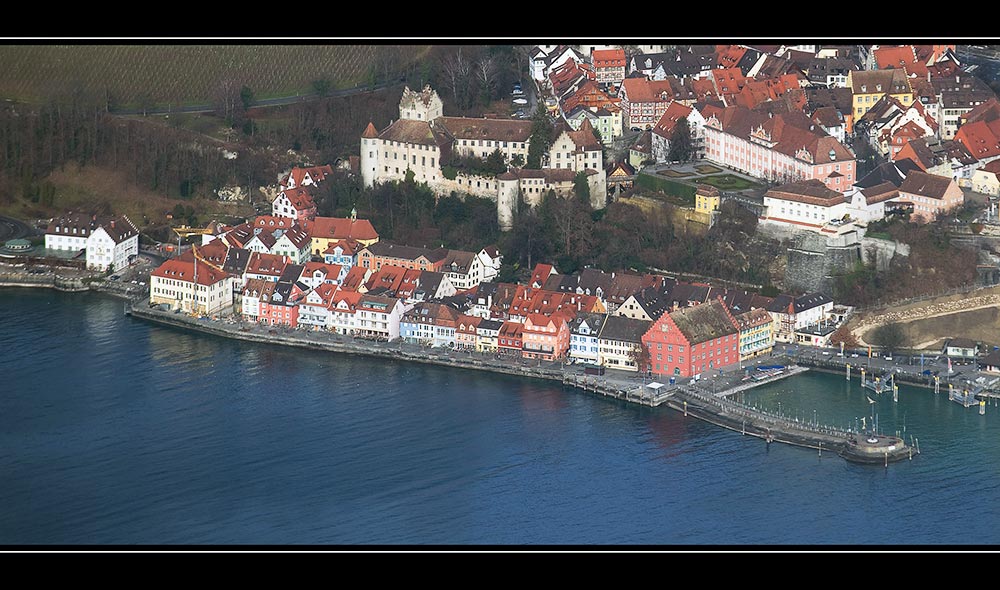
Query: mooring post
point(685, 408)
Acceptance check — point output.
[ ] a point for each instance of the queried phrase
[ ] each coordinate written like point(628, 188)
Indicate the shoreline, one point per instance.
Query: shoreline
point(715, 408)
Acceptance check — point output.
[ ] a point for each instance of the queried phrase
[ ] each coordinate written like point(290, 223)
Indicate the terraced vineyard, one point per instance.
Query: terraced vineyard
point(182, 74)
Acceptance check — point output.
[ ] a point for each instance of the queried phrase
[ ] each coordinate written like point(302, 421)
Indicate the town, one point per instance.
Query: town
point(776, 115)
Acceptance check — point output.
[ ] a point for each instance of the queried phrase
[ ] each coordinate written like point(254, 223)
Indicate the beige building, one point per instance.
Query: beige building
point(930, 195)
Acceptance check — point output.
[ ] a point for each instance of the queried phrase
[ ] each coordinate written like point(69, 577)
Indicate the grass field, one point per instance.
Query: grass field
point(180, 74)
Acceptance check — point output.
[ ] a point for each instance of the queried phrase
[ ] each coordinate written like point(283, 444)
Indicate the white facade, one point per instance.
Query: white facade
point(801, 215)
point(315, 311)
point(183, 294)
point(343, 318)
point(102, 252)
point(377, 318)
point(250, 306)
point(615, 354)
point(583, 344)
point(61, 242)
point(284, 246)
point(860, 210)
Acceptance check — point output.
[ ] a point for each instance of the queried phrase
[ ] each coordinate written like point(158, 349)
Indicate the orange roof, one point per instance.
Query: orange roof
point(300, 198)
point(354, 278)
point(347, 246)
point(902, 57)
point(331, 270)
point(730, 55)
point(675, 112)
point(370, 131)
point(342, 228)
point(643, 90)
point(980, 138)
point(608, 58)
point(185, 270)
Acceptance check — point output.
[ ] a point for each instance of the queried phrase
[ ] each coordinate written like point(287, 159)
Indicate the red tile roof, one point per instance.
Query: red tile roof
point(342, 228)
point(981, 138)
point(370, 132)
point(643, 90)
point(675, 111)
point(181, 270)
point(300, 198)
point(608, 58)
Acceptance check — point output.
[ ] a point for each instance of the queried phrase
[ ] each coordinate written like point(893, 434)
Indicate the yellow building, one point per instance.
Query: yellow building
point(868, 86)
point(707, 199)
point(756, 333)
point(327, 231)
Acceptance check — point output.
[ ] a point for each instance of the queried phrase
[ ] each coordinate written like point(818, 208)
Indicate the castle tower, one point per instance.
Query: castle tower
point(425, 105)
point(369, 155)
point(508, 195)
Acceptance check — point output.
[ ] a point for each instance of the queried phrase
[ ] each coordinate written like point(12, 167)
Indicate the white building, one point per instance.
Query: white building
point(109, 243)
point(792, 313)
point(583, 332)
point(807, 204)
point(314, 308)
point(191, 286)
point(619, 342)
point(378, 317)
point(422, 141)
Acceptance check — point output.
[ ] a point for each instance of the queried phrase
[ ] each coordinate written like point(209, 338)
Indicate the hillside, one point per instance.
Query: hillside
point(130, 75)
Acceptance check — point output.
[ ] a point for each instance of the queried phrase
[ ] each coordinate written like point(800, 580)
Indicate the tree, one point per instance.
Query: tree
point(641, 357)
point(486, 76)
point(889, 336)
point(845, 336)
point(456, 71)
point(541, 139)
point(581, 188)
point(517, 160)
point(247, 97)
point(321, 87)
point(680, 142)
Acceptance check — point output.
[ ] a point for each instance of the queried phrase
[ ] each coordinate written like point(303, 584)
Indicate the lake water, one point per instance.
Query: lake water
point(117, 431)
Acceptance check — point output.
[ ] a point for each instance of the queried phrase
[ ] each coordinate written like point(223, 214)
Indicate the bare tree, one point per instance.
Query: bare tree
point(455, 70)
point(486, 70)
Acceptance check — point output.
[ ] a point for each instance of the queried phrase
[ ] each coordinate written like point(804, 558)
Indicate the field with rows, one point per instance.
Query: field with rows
point(181, 74)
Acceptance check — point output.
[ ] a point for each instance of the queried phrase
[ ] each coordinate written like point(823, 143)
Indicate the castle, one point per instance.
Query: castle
point(423, 140)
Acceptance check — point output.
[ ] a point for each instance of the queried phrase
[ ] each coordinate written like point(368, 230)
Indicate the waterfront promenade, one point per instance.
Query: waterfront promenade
point(708, 398)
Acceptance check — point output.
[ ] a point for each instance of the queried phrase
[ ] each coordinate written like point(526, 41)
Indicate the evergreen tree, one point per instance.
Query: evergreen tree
point(680, 142)
point(541, 139)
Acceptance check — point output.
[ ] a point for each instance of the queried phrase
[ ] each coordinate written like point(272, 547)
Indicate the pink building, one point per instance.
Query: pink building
point(782, 147)
point(929, 194)
point(544, 337)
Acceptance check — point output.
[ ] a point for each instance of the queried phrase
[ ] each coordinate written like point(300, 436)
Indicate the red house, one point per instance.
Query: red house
point(279, 306)
point(509, 339)
point(693, 340)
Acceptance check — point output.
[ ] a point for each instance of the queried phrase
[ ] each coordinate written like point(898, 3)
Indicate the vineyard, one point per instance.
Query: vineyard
point(130, 75)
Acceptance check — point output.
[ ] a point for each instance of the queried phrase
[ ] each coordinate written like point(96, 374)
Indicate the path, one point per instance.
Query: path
point(930, 311)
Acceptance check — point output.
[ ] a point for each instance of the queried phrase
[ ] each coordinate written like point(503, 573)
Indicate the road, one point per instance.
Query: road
point(11, 229)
